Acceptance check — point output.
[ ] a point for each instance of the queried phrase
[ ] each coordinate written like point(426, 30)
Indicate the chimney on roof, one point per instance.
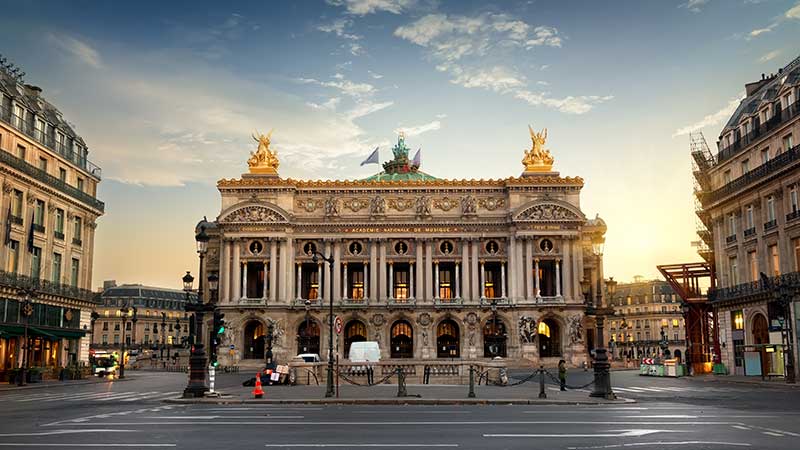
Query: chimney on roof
point(763, 76)
point(780, 71)
point(35, 90)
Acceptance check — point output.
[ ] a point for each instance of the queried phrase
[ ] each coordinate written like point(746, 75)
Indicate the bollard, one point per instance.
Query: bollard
point(541, 383)
point(471, 382)
point(211, 378)
point(401, 383)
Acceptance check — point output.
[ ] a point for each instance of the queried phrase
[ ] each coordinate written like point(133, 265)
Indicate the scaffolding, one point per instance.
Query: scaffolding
point(702, 161)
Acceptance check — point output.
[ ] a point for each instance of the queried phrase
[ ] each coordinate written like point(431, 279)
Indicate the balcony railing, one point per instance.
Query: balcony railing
point(750, 232)
point(46, 178)
point(41, 286)
point(793, 215)
point(38, 228)
point(763, 288)
point(79, 160)
point(780, 117)
point(16, 220)
point(770, 225)
point(58, 235)
point(77, 242)
point(770, 168)
point(730, 239)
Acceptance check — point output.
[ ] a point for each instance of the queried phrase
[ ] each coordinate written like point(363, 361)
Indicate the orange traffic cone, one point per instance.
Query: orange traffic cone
point(258, 392)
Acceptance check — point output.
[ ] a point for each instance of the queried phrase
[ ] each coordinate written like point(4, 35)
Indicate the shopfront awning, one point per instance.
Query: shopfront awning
point(11, 331)
point(68, 334)
point(7, 331)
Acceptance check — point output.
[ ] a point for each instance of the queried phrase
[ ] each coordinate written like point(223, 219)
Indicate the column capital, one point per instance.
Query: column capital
point(536, 260)
point(436, 261)
point(391, 263)
point(344, 263)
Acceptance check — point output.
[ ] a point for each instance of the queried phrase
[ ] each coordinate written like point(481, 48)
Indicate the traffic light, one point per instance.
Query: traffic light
point(219, 322)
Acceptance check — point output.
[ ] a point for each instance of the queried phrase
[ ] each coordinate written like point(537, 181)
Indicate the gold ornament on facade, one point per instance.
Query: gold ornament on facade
point(538, 158)
point(263, 161)
point(346, 184)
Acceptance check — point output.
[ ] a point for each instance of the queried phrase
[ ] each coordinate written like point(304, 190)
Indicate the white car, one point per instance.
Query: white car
point(309, 357)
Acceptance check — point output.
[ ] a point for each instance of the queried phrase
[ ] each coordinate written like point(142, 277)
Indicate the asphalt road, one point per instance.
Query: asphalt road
point(669, 414)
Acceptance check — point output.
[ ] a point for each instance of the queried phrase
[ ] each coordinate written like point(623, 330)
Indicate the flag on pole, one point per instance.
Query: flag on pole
point(417, 161)
point(373, 158)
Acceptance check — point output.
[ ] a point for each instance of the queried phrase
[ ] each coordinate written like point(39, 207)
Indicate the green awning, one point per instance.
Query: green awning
point(68, 334)
point(11, 331)
point(33, 331)
point(52, 334)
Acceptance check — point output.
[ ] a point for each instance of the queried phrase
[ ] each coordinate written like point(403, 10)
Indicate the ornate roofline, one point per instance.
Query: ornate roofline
point(548, 180)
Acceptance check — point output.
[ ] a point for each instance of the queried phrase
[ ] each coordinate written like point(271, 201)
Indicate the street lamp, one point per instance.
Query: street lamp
point(124, 314)
point(602, 377)
point(213, 286)
point(197, 361)
point(305, 337)
point(686, 309)
point(163, 334)
point(784, 297)
point(495, 347)
point(329, 392)
point(27, 312)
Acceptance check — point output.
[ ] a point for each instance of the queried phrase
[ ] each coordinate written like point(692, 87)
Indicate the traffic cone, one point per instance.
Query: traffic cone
point(258, 392)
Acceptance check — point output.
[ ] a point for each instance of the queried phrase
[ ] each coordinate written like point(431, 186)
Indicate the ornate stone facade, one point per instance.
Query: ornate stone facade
point(421, 265)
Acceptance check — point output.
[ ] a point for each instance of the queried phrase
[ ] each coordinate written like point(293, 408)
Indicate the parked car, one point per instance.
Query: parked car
point(366, 351)
point(309, 357)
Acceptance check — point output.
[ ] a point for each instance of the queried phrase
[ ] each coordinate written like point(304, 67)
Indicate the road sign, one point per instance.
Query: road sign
point(232, 347)
point(337, 324)
point(648, 361)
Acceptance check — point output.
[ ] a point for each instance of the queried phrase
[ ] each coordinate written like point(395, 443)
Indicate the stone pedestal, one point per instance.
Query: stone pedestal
point(530, 352)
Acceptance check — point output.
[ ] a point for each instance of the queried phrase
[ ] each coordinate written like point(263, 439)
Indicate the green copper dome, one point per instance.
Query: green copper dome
point(400, 168)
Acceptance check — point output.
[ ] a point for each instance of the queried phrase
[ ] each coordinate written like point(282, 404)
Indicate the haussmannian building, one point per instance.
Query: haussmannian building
point(160, 318)
point(418, 262)
point(645, 308)
point(48, 211)
point(750, 199)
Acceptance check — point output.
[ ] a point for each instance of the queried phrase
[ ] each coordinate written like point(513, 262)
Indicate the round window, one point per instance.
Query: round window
point(446, 247)
point(310, 248)
point(256, 247)
point(546, 245)
point(355, 248)
point(492, 247)
point(401, 248)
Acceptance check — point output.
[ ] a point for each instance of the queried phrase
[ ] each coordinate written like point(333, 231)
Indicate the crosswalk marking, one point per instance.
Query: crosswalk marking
point(668, 389)
point(105, 396)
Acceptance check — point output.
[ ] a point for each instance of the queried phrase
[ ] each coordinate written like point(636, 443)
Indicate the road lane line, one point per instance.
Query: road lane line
point(410, 423)
point(611, 433)
point(61, 444)
point(55, 432)
point(741, 427)
point(776, 431)
point(773, 434)
point(120, 396)
point(359, 445)
point(650, 444)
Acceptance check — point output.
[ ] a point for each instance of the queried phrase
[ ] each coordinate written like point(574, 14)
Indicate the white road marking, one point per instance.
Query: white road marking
point(771, 433)
point(776, 431)
point(54, 432)
point(741, 427)
point(650, 444)
point(263, 409)
point(360, 445)
point(126, 395)
point(612, 433)
point(415, 423)
point(61, 444)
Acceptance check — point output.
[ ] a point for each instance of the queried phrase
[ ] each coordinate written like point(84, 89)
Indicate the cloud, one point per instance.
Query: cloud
point(364, 7)
point(694, 6)
point(419, 129)
point(712, 119)
point(760, 31)
point(77, 48)
point(792, 13)
point(346, 87)
point(769, 56)
point(339, 28)
point(460, 46)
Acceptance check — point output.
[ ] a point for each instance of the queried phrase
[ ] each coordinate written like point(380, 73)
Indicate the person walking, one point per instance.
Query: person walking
point(562, 374)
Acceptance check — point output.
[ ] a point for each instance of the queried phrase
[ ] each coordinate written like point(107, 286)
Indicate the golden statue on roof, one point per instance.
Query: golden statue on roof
point(538, 158)
point(263, 160)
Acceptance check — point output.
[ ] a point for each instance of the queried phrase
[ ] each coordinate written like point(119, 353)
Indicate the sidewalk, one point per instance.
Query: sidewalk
point(386, 394)
point(741, 379)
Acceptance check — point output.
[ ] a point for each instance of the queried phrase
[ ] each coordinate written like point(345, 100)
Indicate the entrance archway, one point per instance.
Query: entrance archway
point(494, 339)
point(308, 337)
point(354, 331)
point(447, 339)
point(761, 337)
point(549, 338)
point(254, 338)
point(402, 340)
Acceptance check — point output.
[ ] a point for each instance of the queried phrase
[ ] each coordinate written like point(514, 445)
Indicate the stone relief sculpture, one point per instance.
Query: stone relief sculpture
point(575, 329)
point(423, 206)
point(471, 319)
point(471, 336)
point(377, 206)
point(547, 212)
point(254, 214)
point(331, 207)
point(377, 320)
point(469, 205)
point(527, 329)
point(424, 319)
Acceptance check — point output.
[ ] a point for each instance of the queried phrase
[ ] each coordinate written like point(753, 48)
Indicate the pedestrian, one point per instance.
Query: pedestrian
point(562, 374)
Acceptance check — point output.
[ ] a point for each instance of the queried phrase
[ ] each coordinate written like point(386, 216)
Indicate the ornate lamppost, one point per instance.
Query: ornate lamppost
point(783, 296)
point(329, 392)
point(26, 312)
point(306, 337)
point(124, 315)
point(197, 361)
point(164, 333)
point(602, 376)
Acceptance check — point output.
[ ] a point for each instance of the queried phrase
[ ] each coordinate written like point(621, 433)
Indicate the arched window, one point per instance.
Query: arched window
point(447, 339)
point(402, 340)
point(308, 337)
point(494, 339)
point(354, 331)
point(253, 339)
point(549, 338)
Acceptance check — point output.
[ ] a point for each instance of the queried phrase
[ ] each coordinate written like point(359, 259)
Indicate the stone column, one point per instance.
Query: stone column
point(558, 277)
point(466, 292)
point(274, 270)
point(367, 273)
point(536, 290)
point(344, 284)
point(225, 272)
point(320, 292)
point(483, 280)
point(512, 242)
point(266, 274)
point(419, 267)
point(373, 273)
point(428, 270)
point(458, 280)
point(529, 270)
point(436, 278)
point(327, 273)
point(337, 273)
point(503, 279)
point(411, 291)
point(474, 277)
point(382, 268)
point(244, 279)
point(567, 268)
point(390, 294)
point(299, 281)
point(575, 253)
point(287, 265)
point(520, 268)
point(236, 283)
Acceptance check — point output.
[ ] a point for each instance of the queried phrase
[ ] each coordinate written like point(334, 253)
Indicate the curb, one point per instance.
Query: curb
point(767, 384)
point(395, 401)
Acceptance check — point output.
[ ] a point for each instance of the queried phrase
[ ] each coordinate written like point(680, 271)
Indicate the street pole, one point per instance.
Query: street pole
point(602, 376)
point(197, 361)
point(27, 312)
point(784, 296)
point(329, 392)
point(124, 311)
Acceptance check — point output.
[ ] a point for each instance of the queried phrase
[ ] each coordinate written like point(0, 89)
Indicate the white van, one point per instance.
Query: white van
point(366, 351)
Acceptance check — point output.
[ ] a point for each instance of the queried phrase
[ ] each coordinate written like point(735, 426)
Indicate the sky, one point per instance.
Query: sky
point(167, 96)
